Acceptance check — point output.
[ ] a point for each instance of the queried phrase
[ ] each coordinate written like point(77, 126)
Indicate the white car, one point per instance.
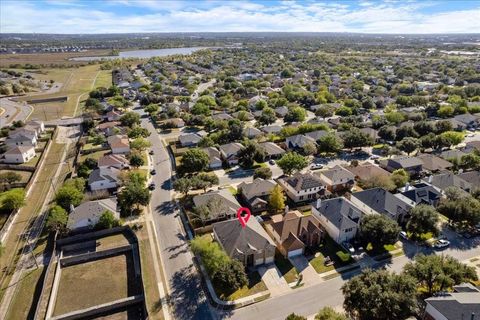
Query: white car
point(316, 166)
point(403, 235)
point(440, 244)
point(375, 157)
point(348, 247)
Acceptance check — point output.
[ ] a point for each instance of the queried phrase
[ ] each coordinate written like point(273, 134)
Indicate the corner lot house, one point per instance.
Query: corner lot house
point(339, 217)
point(294, 232)
point(21, 140)
point(256, 193)
point(381, 201)
point(462, 304)
point(302, 187)
point(104, 179)
point(250, 245)
point(20, 154)
point(87, 214)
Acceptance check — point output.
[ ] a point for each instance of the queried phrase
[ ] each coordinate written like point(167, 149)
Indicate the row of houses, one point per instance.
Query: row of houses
point(21, 142)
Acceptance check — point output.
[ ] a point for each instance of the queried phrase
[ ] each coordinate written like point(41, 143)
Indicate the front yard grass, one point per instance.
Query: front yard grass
point(33, 162)
point(334, 251)
point(95, 155)
point(288, 271)
point(255, 285)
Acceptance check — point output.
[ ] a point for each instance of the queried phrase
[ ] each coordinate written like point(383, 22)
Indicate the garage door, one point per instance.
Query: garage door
point(294, 253)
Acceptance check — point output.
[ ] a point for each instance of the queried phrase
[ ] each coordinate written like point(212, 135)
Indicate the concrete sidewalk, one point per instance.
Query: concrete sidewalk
point(273, 279)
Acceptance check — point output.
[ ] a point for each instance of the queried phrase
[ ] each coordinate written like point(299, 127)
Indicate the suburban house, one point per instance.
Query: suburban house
point(472, 177)
point(457, 125)
point(293, 232)
point(19, 154)
point(367, 171)
point(21, 139)
point(272, 150)
point(412, 165)
point(448, 179)
point(381, 201)
point(337, 179)
point(370, 132)
point(461, 304)
point(339, 217)
point(113, 115)
point(87, 214)
point(281, 111)
point(420, 193)
point(316, 135)
point(118, 161)
point(251, 245)
point(104, 179)
point(24, 131)
point(215, 159)
point(246, 115)
point(109, 128)
point(37, 125)
point(176, 122)
point(119, 144)
point(229, 152)
point(302, 187)
point(298, 141)
point(433, 163)
point(271, 129)
point(256, 193)
point(222, 116)
point(452, 154)
point(469, 120)
point(189, 139)
point(220, 203)
point(251, 132)
point(472, 146)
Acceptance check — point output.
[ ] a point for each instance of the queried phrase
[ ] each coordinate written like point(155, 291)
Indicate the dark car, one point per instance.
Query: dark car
point(153, 172)
point(151, 186)
point(151, 152)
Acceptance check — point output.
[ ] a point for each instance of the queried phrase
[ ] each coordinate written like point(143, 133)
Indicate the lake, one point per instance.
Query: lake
point(143, 54)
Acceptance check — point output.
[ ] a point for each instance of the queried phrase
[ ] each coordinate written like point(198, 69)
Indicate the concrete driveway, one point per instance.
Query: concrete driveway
point(310, 276)
point(273, 279)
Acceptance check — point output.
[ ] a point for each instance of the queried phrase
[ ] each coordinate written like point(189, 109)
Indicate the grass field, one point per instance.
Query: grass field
point(93, 283)
point(22, 303)
point(76, 84)
point(60, 58)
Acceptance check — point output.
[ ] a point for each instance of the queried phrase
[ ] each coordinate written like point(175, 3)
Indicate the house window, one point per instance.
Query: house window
point(348, 230)
point(301, 198)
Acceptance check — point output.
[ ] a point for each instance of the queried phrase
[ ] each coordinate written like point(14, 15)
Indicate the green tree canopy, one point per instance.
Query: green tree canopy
point(379, 230)
point(423, 219)
point(194, 160)
point(57, 219)
point(12, 199)
point(292, 162)
point(328, 313)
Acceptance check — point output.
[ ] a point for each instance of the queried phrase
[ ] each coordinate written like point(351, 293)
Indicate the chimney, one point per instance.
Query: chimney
point(286, 209)
point(430, 179)
point(319, 202)
point(407, 186)
point(472, 316)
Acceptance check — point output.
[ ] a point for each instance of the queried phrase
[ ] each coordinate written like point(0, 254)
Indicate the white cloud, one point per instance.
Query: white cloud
point(223, 16)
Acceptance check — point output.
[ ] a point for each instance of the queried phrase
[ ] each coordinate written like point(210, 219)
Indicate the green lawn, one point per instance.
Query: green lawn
point(95, 155)
point(33, 162)
point(333, 250)
point(255, 285)
point(287, 270)
point(232, 190)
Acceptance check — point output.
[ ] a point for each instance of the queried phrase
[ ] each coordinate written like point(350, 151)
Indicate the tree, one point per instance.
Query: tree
point(57, 219)
point(231, 275)
point(387, 133)
point(107, 221)
point(445, 111)
point(194, 160)
point(182, 185)
point(130, 119)
point(293, 316)
point(354, 138)
point(295, 114)
point(309, 149)
point(329, 143)
point(470, 161)
point(452, 137)
point(13, 199)
point(328, 313)
point(378, 230)
point(438, 273)
point(276, 199)
point(379, 295)
point(378, 181)
point(292, 162)
point(136, 160)
point(133, 194)
point(460, 208)
point(268, 116)
point(424, 219)
point(137, 132)
point(140, 144)
point(205, 180)
point(400, 177)
point(325, 111)
point(71, 193)
point(263, 173)
point(408, 144)
point(249, 153)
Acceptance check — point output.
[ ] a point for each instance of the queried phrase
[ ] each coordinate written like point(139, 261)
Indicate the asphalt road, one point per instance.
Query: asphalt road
point(14, 111)
point(185, 291)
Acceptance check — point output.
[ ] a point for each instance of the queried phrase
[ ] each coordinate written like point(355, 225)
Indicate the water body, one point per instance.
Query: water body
point(143, 54)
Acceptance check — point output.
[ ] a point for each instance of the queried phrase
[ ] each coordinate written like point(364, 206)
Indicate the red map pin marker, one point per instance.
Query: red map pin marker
point(243, 219)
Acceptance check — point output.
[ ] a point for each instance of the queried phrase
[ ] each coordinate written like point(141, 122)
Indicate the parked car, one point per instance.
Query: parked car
point(347, 246)
point(403, 235)
point(375, 157)
point(272, 162)
point(441, 244)
point(151, 152)
point(153, 172)
point(152, 186)
point(316, 166)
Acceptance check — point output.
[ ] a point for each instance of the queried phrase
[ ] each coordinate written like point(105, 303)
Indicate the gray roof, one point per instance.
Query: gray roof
point(338, 175)
point(227, 204)
point(472, 177)
point(303, 181)
point(407, 162)
point(433, 163)
point(239, 242)
point(452, 154)
point(92, 210)
point(271, 148)
point(340, 212)
point(382, 201)
point(230, 148)
point(189, 138)
point(299, 141)
point(257, 188)
point(251, 132)
point(466, 118)
point(316, 135)
point(101, 174)
point(422, 193)
point(448, 179)
point(271, 129)
point(457, 305)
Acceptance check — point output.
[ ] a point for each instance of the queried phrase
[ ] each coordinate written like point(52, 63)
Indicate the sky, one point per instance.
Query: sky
point(130, 16)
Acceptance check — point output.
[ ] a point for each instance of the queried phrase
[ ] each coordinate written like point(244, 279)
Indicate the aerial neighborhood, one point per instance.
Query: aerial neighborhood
point(347, 164)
